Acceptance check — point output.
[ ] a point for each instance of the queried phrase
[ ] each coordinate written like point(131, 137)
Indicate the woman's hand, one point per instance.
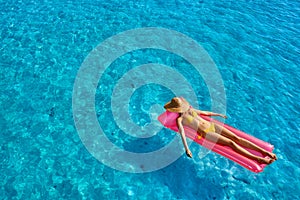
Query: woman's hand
point(189, 153)
point(224, 116)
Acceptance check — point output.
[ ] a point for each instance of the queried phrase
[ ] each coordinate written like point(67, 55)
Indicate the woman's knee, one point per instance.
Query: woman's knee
point(232, 144)
point(236, 139)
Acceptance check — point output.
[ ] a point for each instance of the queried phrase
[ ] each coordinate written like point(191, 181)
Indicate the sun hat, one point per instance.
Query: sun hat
point(177, 104)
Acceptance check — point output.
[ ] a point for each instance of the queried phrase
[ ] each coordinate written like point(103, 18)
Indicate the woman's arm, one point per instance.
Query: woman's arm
point(207, 113)
point(183, 138)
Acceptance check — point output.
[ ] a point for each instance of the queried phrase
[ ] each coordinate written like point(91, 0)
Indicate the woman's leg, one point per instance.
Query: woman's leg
point(227, 133)
point(228, 142)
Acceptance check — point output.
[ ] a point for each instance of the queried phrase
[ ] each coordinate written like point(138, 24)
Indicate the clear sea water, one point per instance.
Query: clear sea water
point(255, 45)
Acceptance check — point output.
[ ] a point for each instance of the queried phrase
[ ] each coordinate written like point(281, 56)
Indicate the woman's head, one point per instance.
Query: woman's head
point(178, 105)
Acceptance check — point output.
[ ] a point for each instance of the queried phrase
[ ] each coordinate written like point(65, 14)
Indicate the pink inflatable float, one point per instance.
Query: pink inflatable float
point(168, 119)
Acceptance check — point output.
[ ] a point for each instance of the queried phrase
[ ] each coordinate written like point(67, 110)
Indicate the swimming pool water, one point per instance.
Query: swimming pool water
point(255, 45)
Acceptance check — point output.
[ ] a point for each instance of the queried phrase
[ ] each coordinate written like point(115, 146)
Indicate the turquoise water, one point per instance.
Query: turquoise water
point(255, 45)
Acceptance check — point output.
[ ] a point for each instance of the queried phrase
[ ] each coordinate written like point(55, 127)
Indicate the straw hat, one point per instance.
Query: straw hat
point(177, 104)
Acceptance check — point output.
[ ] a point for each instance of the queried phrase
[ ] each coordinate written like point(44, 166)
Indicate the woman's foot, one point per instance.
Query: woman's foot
point(265, 160)
point(271, 155)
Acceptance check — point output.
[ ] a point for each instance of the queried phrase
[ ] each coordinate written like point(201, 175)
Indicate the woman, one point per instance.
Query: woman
point(212, 131)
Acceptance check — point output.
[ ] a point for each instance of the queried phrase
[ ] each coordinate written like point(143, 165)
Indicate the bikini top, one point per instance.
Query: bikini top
point(190, 118)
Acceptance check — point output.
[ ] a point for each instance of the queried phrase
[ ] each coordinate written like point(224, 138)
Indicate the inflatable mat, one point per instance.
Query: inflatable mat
point(168, 119)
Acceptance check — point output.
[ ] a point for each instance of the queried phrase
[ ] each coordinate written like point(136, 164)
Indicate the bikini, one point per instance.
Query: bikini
point(210, 129)
point(190, 118)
